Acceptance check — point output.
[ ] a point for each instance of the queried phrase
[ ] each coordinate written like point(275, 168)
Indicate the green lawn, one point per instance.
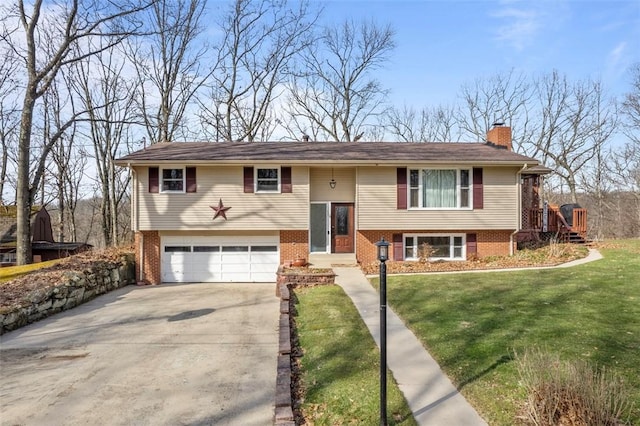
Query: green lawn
point(473, 323)
point(340, 366)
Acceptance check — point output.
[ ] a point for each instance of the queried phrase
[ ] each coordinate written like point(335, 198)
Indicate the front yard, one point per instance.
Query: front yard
point(473, 324)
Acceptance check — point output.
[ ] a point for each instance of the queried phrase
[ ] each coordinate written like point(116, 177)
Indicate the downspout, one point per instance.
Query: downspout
point(519, 212)
point(134, 221)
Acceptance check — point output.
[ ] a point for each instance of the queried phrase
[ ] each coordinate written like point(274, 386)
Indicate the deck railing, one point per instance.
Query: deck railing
point(556, 222)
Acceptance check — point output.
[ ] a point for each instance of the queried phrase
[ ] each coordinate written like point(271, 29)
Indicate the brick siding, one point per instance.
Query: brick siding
point(490, 243)
point(151, 257)
point(293, 244)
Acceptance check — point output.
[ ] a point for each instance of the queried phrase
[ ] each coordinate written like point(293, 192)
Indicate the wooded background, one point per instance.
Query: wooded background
point(83, 83)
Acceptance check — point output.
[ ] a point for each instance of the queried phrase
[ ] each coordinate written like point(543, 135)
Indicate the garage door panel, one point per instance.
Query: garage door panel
point(264, 267)
point(263, 277)
point(235, 277)
point(263, 257)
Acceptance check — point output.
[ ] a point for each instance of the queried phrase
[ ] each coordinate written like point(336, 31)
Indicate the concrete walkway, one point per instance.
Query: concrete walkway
point(432, 398)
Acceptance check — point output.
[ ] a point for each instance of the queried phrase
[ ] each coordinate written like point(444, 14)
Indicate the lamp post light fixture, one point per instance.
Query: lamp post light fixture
point(383, 256)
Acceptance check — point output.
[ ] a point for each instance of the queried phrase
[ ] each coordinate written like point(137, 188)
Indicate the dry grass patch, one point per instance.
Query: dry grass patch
point(570, 393)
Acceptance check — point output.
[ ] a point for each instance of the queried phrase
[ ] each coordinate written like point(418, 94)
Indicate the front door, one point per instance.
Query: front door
point(342, 228)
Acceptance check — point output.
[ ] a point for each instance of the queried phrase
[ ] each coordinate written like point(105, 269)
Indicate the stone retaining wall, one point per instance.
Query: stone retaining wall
point(75, 288)
point(304, 276)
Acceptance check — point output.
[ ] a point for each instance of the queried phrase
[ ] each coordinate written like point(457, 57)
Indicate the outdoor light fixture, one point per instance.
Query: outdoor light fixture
point(332, 182)
point(383, 250)
point(383, 256)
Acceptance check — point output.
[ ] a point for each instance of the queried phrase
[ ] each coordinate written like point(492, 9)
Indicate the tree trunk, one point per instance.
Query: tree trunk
point(24, 197)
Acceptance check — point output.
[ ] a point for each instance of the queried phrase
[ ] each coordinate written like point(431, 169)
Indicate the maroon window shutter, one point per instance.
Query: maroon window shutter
point(191, 179)
point(248, 179)
point(472, 245)
point(478, 197)
point(285, 180)
point(397, 246)
point(154, 179)
point(402, 188)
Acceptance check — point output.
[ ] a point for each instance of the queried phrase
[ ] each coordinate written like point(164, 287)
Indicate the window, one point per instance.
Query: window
point(435, 246)
point(172, 180)
point(177, 249)
point(267, 180)
point(439, 188)
point(8, 258)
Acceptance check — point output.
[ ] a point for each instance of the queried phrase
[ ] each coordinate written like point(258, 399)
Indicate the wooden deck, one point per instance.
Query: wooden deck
point(556, 223)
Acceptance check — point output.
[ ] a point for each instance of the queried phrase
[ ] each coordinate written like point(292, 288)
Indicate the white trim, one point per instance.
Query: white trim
point(452, 246)
point(458, 188)
point(172, 191)
point(255, 179)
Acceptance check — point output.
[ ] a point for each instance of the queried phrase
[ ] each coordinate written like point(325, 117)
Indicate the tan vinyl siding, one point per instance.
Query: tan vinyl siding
point(345, 190)
point(377, 204)
point(251, 211)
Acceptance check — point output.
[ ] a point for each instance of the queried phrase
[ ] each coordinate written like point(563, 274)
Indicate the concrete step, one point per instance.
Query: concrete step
point(327, 260)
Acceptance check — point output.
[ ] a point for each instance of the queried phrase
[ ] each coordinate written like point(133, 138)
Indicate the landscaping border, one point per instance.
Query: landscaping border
point(284, 414)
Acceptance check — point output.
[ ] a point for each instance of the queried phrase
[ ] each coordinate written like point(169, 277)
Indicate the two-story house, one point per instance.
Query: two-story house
point(234, 211)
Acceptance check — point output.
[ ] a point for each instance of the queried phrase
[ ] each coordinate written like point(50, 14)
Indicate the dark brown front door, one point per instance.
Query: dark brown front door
point(342, 228)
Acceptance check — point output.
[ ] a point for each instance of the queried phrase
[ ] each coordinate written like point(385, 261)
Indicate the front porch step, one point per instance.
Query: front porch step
point(327, 260)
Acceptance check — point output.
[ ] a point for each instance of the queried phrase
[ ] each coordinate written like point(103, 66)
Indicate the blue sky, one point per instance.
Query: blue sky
point(444, 44)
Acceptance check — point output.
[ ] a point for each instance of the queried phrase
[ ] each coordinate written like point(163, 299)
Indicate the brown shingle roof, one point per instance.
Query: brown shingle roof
point(324, 152)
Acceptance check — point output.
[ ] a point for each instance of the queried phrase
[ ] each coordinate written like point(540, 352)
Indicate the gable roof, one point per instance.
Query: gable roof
point(325, 152)
point(8, 221)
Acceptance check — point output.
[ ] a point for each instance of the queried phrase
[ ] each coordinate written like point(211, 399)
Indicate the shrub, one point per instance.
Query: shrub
point(425, 251)
point(570, 393)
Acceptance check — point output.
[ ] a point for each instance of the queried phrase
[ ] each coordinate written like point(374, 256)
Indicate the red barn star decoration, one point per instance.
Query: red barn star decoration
point(221, 210)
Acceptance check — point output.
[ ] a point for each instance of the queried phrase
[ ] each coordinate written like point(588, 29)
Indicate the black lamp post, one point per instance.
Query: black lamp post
point(383, 256)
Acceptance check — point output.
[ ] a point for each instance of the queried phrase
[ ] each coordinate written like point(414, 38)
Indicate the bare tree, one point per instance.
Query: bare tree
point(504, 97)
point(67, 161)
point(625, 164)
point(169, 68)
point(260, 39)
point(575, 121)
point(9, 115)
point(333, 93)
point(631, 107)
point(438, 124)
point(108, 96)
point(46, 40)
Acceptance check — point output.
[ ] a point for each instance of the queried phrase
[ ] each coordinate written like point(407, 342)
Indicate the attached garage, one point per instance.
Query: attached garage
point(220, 259)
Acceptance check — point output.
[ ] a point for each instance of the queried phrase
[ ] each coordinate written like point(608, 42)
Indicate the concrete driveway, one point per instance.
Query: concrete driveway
point(189, 354)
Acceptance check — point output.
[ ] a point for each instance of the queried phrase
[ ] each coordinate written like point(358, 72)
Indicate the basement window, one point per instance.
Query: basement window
point(443, 247)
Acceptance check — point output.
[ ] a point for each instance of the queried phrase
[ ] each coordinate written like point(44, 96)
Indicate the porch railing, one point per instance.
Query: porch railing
point(557, 223)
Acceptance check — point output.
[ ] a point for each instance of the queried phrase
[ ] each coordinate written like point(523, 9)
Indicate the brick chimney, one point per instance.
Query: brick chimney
point(500, 136)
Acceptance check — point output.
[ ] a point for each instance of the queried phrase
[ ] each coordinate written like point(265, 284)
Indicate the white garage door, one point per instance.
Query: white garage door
point(215, 259)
